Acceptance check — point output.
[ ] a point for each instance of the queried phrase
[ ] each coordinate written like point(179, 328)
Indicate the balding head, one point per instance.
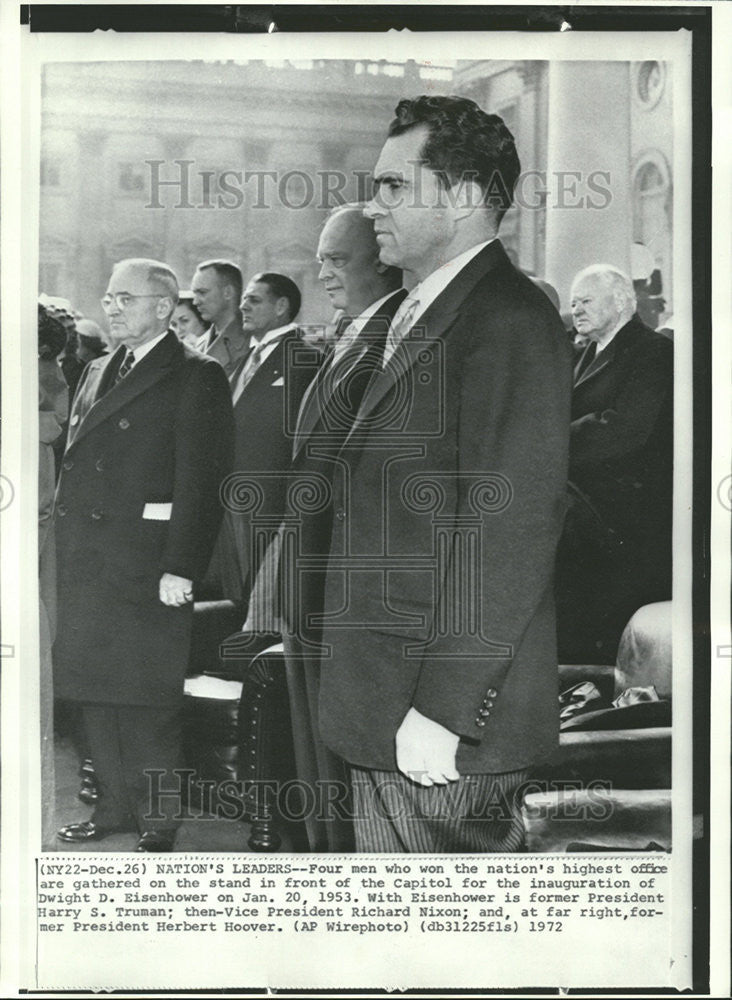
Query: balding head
point(602, 301)
point(350, 270)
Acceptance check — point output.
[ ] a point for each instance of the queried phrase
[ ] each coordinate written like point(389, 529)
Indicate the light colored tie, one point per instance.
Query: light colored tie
point(401, 325)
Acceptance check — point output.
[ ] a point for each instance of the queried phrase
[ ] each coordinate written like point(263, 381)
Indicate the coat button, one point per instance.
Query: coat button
point(491, 693)
point(341, 515)
point(484, 712)
point(99, 465)
point(480, 723)
point(68, 464)
point(487, 703)
point(61, 509)
point(97, 514)
point(124, 423)
point(74, 420)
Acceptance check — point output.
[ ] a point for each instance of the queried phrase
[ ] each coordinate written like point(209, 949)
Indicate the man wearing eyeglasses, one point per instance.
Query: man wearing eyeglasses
point(137, 511)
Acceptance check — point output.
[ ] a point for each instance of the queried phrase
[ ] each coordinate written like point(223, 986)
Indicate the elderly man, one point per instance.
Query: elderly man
point(616, 551)
point(217, 287)
point(439, 670)
point(368, 292)
point(267, 389)
point(137, 511)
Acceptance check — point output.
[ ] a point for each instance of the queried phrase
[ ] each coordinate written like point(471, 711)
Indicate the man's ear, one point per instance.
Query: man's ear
point(465, 197)
point(282, 305)
point(229, 292)
point(165, 307)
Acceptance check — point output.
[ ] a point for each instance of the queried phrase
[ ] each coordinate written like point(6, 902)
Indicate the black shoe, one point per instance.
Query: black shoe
point(156, 841)
point(88, 793)
point(80, 833)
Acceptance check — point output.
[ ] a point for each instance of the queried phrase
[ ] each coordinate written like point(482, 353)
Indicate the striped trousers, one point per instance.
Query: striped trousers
point(480, 813)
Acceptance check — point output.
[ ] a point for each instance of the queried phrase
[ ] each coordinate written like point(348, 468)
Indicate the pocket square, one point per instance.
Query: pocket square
point(279, 381)
point(157, 511)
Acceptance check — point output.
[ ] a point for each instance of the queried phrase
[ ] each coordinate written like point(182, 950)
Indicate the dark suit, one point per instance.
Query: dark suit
point(264, 417)
point(439, 590)
point(161, 436)
point(616, 550)
point(328, 409)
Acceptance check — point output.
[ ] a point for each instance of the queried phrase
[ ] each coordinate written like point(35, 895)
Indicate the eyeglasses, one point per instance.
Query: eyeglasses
point(123, 299)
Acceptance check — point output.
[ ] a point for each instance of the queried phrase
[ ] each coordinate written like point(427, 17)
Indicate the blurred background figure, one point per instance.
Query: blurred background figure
point(91, 342)
point(187, 323)
point(53, 406)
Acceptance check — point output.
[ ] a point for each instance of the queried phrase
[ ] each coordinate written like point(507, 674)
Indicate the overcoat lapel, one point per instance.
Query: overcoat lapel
point(596, 365)
point(145, 374)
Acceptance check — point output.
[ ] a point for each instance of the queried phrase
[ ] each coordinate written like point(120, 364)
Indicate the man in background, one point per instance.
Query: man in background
point(267, 389)
point(616, 550)
point(217, 287)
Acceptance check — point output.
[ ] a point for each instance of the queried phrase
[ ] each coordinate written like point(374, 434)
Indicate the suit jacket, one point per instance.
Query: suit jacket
point(265, 417)
point(137, 497)
point(439, 584)
point(621, 451)
point(230, 346)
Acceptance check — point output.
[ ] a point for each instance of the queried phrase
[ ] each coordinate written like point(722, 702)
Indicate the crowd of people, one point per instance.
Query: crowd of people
point(422, 504)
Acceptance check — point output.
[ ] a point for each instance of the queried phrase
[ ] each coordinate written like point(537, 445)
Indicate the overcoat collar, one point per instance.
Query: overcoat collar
point(625, 336)
point(94, 405)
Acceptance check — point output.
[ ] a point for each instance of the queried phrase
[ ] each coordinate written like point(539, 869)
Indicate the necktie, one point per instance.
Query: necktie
point(400, 326)
point(126, 367)
point(251, 366)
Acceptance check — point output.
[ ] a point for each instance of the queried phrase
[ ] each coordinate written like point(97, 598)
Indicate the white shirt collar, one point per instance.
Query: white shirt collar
point(139, 352)
point(358, 323)
point(428, 289)
point(271, 335)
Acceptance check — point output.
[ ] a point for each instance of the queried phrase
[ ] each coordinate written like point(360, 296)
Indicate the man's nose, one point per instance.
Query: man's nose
point(373, 209)
point(326, 269)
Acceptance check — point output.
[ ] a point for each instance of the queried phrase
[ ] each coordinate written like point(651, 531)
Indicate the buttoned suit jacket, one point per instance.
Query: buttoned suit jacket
point(439, 584)
point(161, 436)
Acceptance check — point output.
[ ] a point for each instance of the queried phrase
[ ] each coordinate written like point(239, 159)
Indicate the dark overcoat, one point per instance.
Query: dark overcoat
point(615, 555)
point(138, 497)
point(439, 584)
point(621, 445)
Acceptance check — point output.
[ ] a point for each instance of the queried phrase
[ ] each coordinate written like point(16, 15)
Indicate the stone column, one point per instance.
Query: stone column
point(90, 268)
point(589, 136)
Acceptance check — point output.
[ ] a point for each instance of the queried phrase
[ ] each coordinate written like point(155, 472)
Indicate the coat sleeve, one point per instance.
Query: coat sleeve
point(646, 383)
point(513, 435)
point(204, 435)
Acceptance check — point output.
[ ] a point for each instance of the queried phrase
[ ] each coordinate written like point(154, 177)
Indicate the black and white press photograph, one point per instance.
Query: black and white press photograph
point(370, 484)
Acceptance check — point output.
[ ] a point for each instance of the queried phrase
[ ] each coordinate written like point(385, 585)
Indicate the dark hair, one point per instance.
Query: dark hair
point(282, 287)
point(228, 273)
point(464, 143)
point(51, 334)
point(186, 299)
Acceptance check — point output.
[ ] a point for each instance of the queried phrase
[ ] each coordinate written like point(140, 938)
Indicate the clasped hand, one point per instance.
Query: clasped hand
point(175, 590)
